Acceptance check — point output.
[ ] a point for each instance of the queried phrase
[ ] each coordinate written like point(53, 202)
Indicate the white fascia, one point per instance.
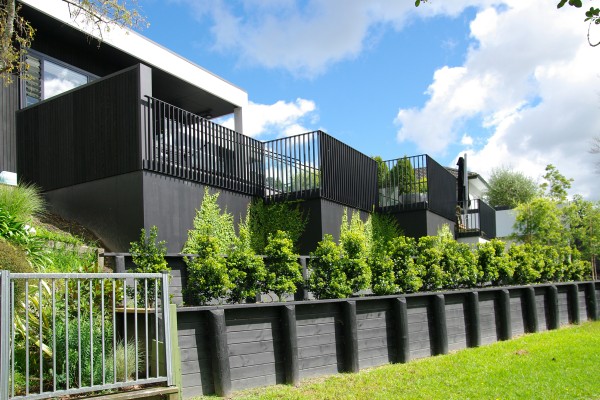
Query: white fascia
point(149, 53)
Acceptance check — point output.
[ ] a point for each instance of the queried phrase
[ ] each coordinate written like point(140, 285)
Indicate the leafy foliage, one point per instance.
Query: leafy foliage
point(149, 257)
point(22, 201)
point(493, 262)
point(408, 274)
point(355, 241)
point(556, 184)
point(266, 219)
point(210, 221)
point(207, 273)
point(246, 270)
point(509, 188)
point(282, 265)
point(328, 279)
point(539, 222)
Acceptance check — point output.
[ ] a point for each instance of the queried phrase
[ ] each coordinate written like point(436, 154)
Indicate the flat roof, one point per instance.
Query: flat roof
point(148, 52)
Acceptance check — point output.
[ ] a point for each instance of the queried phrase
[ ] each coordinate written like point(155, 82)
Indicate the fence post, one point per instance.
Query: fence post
point(441, 330)
point(175, 353)
point(167, 326)
point(473, 320)
point(290, 341)
point(531, 310)
point(350, 336)
point(554, 312)
point(504, 308)
point(5, 322)
point(573, 303)
point(220, 353)
point(400, 310)
point(592, 301)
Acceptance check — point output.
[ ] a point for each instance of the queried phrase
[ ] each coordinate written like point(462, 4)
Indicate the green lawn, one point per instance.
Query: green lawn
point(563, 364)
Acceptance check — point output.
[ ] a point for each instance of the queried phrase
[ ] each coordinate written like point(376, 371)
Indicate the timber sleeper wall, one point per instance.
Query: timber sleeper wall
point(235, 347)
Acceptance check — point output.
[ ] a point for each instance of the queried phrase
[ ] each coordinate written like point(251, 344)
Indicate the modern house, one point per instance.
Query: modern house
point(119, 138)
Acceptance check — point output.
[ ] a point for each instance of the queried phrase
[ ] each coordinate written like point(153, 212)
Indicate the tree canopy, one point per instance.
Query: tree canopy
point(509, 188)
point(17, 34)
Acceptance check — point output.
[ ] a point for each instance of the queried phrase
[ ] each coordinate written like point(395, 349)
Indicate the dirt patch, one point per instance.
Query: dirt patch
point(56, 223)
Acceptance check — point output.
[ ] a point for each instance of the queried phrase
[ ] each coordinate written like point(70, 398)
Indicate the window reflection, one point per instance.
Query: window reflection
point(59, 79)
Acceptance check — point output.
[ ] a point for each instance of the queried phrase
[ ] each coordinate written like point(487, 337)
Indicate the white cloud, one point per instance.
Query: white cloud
point(466, 140)
point(278, 119)
point(531, 88)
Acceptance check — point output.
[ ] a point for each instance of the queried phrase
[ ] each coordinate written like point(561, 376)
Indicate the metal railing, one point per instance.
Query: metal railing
point(480, 220)
point(416, 182)
point(185, 145)
point(316, 164)
point(293, 166)
point(79, 333)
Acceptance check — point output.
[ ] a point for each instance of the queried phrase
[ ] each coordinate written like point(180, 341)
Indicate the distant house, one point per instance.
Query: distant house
point(119, 138)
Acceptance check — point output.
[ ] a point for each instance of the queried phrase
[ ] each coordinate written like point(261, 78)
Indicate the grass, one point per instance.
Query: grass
point(560, 364)
point(21, 201)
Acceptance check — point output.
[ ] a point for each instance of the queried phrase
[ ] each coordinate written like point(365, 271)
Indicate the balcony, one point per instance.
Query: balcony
point(416, 183)
point(479, 221)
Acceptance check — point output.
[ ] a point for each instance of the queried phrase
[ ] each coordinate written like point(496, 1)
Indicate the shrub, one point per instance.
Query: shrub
point(459, 264)
point(149, 257)
point(282, 265)
point(384, 229)
point(207, 273)
point(13, 259)
point(210, 221)
point(22, 201)
point(69, 259)
point(327, 279)
point(493, 262)
point(247, 271)
point(408, 274)
point(527, 261)
point(355, 241)
point(383, 280)
point(266, 219)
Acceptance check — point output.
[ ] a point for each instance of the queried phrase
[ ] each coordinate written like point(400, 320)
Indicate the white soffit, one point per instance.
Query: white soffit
point(149, 52)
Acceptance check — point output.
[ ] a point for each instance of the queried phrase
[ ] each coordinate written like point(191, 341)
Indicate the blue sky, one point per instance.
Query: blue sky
point(509, 82)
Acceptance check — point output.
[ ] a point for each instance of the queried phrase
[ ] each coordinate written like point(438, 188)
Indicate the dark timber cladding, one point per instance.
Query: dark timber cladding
point(85, 134)
point(234, 347)
point(9, 104)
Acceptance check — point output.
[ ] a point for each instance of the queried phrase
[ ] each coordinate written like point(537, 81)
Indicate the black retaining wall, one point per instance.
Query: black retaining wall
point(233, 347)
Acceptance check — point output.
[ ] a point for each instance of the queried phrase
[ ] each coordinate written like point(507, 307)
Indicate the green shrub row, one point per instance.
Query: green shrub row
point(438, 263)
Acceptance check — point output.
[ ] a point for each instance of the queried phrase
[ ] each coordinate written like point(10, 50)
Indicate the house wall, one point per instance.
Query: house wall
point(9, 104)
point(420, 223)
point(109, 207)
point(243, 346)
point(88, 133)
point(505, 221)
point(171, 203)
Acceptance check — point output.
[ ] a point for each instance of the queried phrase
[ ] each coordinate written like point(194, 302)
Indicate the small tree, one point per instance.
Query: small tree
point(149, 257)
point(494, 264)
point(247, 271)
point(355, 241)
point(509, 188)
point(408, 274)
point(210, 221)
point(327, 279)
point(207, 273)
point(266, 219)
point(282, 265)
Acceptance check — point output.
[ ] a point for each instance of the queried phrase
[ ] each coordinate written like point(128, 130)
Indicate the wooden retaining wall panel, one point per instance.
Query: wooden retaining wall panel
point(375, 333)
point(518, 319)
point(563, 305)
point(420, 321)
point(456, 321)
point(582, 303)
point(320, 341)
point(542, 309)
point(488, 317)
point(255, 347)
point(196, 366)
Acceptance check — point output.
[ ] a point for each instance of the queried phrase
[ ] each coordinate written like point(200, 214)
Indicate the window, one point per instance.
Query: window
point(50, 77)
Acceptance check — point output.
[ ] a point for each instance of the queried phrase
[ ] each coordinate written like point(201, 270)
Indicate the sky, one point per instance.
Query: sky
point(511, 83)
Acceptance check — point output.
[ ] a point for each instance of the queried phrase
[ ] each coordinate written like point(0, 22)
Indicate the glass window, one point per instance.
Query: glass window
point(49, 77)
